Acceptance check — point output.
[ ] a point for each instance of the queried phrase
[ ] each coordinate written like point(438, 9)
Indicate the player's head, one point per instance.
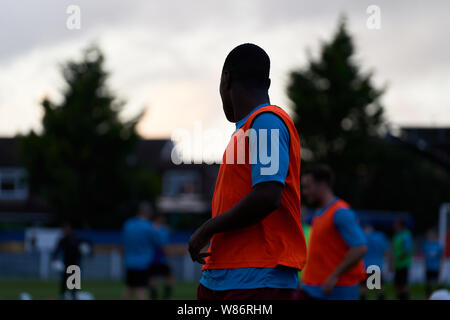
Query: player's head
point(316, 182)
point(66, 228)
point(432, 235)
point(399, 225)
point(246, 68)
point(158, 218)
point(145, 210)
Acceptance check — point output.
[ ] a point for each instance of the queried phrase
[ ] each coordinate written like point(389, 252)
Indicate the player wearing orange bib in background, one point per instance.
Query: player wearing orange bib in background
point(257, 243)
point(334, 267)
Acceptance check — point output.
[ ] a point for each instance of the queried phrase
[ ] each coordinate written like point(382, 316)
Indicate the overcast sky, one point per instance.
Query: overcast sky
point(166, 56)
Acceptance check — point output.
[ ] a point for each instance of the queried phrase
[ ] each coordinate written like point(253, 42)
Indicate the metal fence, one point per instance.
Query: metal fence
point(101, 266)
point(109, 266)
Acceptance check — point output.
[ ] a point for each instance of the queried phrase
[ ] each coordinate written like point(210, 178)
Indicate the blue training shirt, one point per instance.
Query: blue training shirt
point(276, 164)
point(433, 254)
point(377, 245)
point(346, 223)
point(160, 256)
point(140, 240)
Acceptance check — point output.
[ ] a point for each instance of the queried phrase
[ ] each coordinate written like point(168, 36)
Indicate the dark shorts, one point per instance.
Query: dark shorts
point(203, 293)
point(159, 269)
point(432, 275)
point(401, 276)
point(136, 278)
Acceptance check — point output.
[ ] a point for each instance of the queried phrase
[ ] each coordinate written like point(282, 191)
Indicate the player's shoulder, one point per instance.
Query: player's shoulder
point(270, 121)
point(275, 109)
point(281, 112)
point(345, 211)
point(344, 215)
point(128, 222)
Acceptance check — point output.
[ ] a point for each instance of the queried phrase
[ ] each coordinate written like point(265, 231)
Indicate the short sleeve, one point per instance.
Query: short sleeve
point(348, 227)
point(269, 149)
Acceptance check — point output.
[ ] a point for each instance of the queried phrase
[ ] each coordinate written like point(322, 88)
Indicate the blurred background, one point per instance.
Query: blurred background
point(97, 99)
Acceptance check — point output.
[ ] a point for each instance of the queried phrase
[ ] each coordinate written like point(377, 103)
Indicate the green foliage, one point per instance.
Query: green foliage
point(340, 121)
point(82, 161)
point(339, 104)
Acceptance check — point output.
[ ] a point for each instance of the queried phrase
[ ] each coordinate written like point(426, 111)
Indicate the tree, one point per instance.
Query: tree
point(339, 117)
point(82, 162)
point(337, 110)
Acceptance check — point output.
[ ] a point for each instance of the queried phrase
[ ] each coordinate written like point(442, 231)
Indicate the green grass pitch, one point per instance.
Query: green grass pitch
point(39, 289)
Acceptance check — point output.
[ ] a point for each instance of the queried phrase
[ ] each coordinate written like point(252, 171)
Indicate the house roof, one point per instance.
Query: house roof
point(152, 153)
point(437, 137)
point(433, 143)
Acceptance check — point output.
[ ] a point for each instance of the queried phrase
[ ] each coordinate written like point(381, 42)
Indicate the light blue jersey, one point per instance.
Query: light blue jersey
point(140, 240)
point(433, 254)
point(377, 245)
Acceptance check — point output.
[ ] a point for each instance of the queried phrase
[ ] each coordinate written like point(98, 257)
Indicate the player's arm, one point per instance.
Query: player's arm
point(261, 201)
point(265, 196)
point(354, 255)
point(347, 225)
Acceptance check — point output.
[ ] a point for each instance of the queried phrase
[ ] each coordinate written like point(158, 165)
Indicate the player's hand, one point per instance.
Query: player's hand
point(329, 285)
point(198, 241)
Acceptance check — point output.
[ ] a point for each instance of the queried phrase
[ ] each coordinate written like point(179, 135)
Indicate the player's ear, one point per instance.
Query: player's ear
point(226, 79)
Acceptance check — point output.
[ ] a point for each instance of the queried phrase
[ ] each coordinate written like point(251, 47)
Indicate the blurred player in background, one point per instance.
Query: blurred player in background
point(377, 247)
point(140, 239)
point(305, 225)
point(334, 267)
point(433, 254)
point(257, 243)
point(306, 231)
point(402, 250)
point(72, 248)
point(160, 266)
